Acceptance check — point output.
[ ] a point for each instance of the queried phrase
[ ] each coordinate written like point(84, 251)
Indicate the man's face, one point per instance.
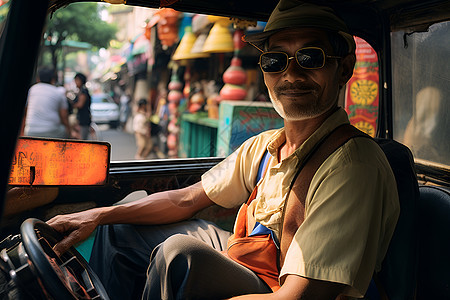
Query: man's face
point(298, 93)
point(78, 82)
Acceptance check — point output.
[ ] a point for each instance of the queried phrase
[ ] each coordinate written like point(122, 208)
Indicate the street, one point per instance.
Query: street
point(123, 144)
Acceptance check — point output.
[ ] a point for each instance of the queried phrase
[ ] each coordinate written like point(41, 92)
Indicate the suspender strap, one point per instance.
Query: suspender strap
point(263, 166)
point(294, 209)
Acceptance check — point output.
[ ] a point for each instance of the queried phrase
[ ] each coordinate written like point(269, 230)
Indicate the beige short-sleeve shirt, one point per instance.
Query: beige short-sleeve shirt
point(351, 207)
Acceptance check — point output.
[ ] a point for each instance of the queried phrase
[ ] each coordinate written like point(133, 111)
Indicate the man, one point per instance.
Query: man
point(350, 210)
point(82, 103)
point(47, 112)
point(141, 128)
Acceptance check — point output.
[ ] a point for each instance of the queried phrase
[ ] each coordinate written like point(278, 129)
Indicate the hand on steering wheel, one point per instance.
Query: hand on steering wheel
point(64, 277)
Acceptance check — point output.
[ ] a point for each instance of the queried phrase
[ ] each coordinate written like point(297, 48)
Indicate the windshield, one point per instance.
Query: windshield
point(421, 91)
point(202, 98)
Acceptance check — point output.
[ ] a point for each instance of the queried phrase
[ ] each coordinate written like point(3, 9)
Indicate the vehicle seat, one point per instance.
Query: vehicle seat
point(397, 278)
point(434, 243)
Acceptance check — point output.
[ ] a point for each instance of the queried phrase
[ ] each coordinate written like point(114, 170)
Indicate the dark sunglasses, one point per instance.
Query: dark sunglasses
point(308, 58)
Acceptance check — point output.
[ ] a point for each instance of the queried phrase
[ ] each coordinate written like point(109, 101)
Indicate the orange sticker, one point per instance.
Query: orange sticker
point(47, 162)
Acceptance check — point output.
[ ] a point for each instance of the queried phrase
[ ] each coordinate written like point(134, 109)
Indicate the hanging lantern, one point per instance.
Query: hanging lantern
point(219, 39)
point(183, 50)
point(172, 141)
point(237, 40)
point(167, 27)
point(175, 96)
point(199, 43)
point(175, 83)
point(173, 108)
point(234, 76)
point(172, 127)
point(233, 92)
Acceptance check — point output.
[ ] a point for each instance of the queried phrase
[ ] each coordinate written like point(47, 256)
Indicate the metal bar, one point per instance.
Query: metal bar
point(19, 47)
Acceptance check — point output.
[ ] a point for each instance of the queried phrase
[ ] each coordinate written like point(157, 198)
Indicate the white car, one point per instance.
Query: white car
point(104, 110)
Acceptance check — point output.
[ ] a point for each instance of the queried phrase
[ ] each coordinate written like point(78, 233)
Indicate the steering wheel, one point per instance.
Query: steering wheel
point(64, 277)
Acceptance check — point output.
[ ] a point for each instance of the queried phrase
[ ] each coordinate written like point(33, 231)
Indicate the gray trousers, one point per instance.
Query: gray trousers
point(84, 132)
point(185, 262)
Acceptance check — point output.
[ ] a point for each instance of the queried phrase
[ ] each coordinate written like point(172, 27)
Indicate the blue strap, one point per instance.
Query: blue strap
point(262, 165)
point(260, 229)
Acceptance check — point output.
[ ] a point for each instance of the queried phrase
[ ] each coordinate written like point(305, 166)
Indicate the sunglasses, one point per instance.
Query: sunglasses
point(308, 58)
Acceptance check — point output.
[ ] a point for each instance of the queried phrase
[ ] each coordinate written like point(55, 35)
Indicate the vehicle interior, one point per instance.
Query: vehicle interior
point(411, 39)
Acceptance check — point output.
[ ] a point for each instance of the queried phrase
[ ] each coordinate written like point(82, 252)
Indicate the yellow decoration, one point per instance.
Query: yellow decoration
point(365, 127)
point(364, 91)
point(219, 40)
point(183, 50)
point(224, 21)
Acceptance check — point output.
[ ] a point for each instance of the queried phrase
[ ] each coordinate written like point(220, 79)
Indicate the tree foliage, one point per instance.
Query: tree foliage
point(78, 22)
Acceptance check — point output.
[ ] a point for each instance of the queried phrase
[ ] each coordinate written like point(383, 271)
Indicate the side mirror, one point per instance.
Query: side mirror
point(55, 162)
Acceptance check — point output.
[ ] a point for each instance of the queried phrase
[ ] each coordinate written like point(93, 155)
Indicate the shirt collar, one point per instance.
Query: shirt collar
point(338, 118)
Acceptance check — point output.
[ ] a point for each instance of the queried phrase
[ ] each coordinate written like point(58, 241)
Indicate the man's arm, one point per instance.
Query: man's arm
point(82, 98)
point(22, 127)
point(159, 208)
point(297, 287)
point(64, 118)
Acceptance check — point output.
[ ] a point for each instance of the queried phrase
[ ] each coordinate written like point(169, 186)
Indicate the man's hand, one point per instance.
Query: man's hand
point(75, 227)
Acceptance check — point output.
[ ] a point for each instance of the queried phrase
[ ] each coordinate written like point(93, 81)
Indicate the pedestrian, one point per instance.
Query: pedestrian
point(342, 228)
point(47, 109)
point(141, 128)
point(125, 101)
point(82, 103)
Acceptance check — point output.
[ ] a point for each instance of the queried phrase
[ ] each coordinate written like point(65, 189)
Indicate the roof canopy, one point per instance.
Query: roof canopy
point(365, 18)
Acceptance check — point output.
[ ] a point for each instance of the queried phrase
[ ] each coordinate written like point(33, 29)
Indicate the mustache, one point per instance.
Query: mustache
point(296, 86)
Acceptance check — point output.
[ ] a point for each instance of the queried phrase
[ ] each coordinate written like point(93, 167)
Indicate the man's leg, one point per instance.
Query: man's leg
point(84, 131)
point(121, 253)
point(184, 267)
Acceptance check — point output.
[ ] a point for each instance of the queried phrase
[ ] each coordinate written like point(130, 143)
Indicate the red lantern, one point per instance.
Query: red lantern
point(172, 141)
point(167, 27)
point(233, 92)
point(235, 74)
point(175, 84)
point(172, 127)
point(175, 96)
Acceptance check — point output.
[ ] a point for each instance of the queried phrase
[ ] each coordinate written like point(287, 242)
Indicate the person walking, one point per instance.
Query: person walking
point(82, 103)
point(47, 108)
point(125, 101)
point(141, 128)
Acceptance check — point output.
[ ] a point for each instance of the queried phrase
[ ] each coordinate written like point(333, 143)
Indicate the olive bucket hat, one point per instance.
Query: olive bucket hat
point(293, 14)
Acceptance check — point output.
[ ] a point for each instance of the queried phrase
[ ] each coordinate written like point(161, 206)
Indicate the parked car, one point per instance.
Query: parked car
point(104, 110)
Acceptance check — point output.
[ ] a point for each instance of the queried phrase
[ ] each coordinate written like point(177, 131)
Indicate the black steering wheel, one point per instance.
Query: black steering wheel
point(64, 277)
